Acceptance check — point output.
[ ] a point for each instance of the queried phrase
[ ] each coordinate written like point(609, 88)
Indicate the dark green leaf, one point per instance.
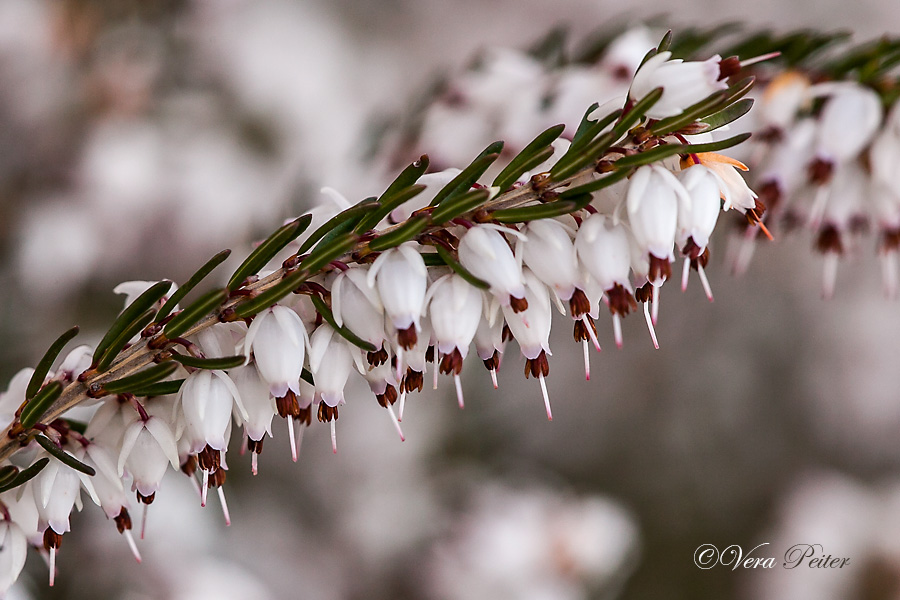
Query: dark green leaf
point(215, 364)
point(162, 388)
point(131, 313)
point(43, 367)
point(539, 147)
point(650, 156)
point(341, 223)
point(141, 379)
point(387, 206)
point(191, 283)
point(7, 474)
point(637, 112)
point(720, 144)
point(551, 50)
point(709, 105)
point(63, 456)
point(575, 161)
point(124, 337)
point(459, 205)
point(459, 269)
point(194, 312)
point(404, 233)
point(542, 211)
point(666, 41)
point(596, 185)
point(327, 252)
point(272, 295)
point(266, 251)
point(727, 115)
point(433, 259)
point(37, 406)
point(593, 128)
point(407, 177)
point(468, 176)
point(345, 333)
point(25, 476)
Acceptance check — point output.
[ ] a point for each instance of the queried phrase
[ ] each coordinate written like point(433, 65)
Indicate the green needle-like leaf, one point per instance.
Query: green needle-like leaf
point(191, 283)
point(539, 147)
point(637, 112)
point(387, 206)
point(37, 406)
point(63, 456)
point(43, 367)
point(468, 176)
point(719, 145)
point(161, 388)
point(325, 253)
point(340, 223)
point(267, 250)
point(7, 474)
point(407, 177)
point(214, 364)
point(711, 104)
point(272, 295)
point(573, 162)
point(345, 333)
point(195, 311)
point(459, 205)
point(131, 313)
point(404, 233)
point(727, 115)
point(26, 475)
point(583, 137)
point(542, 211)
point(141, 379)
point(460, 270)
point(596, 185)
point(123, 338)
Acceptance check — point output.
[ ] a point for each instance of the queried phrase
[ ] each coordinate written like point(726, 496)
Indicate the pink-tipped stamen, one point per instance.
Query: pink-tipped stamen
point(436, 358)
point(546, 397)
point(459, 391)
point(396, 422)
point(333, 438)
point(587, 360)
point(204, 488)
point(134, 549)
point(293, 438)
point(685, 273)
point(399, 371)
point(829, 274)
point(244, 444)
point(655, 303)
point(889, 274)
point(224, 504)
point(591, 333)
point(402, 404)
point(650, 326)
point(494, 378)
point(705, 282)
point(617, 330)
point(759, 59)
point(254, 463)
point(144, 520)
point(52, 566)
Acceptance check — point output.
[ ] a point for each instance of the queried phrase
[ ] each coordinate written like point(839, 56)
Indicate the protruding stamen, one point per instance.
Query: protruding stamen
point(204, 488)
point(650, 326)
point(144, 519)
point(889, 274)
point(399, 369)
point(617, 330)
point(702, 272)
point(130, 539)
point(225, 513)
point(244, 444)
point(52, 566)
point(587, 360)
point(333, 437)
point(402, 402)
point(591, 331)
point(829, 275)
point(655, 303)
point(436, 358)
point(459, 392)
point(254, 463)
point(494, 378)
point(546, 397)
point(745, 250)
point(293, 438)
point(758, 59)
point(390, 408)
point(685, 273)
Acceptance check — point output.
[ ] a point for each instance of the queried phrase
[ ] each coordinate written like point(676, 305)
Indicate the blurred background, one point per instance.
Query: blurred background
point(137, 138)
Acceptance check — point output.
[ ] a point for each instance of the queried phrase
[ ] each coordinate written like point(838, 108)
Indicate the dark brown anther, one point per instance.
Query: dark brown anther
point(728, 67)
point(581, 332)
point(890, 240)
point(123, 521)
point(305, 416)
point(660, 268)
point(859, 225)
point(189, 466)
point(579, 304)
point(288, 405)
point(407, 338)
point(429, 354)
point(829, 240)
point(820, 171)
point(769, 135)
point(518, 304)
point(492, 363)
point(217, 478)
point(644, 293)
point(701, 260)
point(452, 363)
point(51, 539)
point(691, 249)
point(506, 335)
point(537, 366)
point(209, 458)
point(327, 413)
point(145, 499)
point(255, 446)
point(388, 397)
point(414, 381)
point(377, 358)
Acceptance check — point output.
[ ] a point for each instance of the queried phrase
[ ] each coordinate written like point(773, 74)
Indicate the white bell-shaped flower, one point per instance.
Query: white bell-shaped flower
point(402, 279)
point(258, 401)
point(277, 339)
point(625, 52)
point(851, 116)
point(531, 327)
point(885, 154)
point(652, 201)
point(358, 306)
point(605, 251)
point(782, 99)
point(57, 488)
point(148, 448)
point(75, 363)
point(487, 255)
point(13, 549)
point(132, 289)
point(21, 505)
point(330, 361)
point(455, 309)
point(14, 396)
point(107, 482)
point(698, 219)
point(551, 256)
point(683, 83)
point(734, 190)
point(207, 398)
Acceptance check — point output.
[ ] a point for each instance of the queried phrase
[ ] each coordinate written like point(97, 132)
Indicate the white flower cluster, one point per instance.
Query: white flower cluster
point(827, 161)
point(410, 317)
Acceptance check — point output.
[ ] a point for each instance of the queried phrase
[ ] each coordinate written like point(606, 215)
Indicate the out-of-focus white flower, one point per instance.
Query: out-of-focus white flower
point(402, 279)
point(849, 119)
point(885, 154)
point(14, 396)
point(487, 255)
point(13, 548)
point(624, 54)
point(683, 83)
point(277, 339)
point(782, 99)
